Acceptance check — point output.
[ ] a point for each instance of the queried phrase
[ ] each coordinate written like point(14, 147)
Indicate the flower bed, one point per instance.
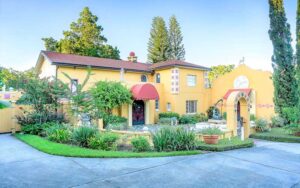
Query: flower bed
point(226, 144)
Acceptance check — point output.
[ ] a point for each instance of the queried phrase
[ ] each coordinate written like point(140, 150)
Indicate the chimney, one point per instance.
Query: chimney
point(132, 57)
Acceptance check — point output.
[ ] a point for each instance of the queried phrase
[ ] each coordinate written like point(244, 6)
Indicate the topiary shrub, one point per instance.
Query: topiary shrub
point(140, 144)
point(188, 119)
point(174, 139)
point(277, 121)
point(82, 134)
point(261, 125)
point(169, 115)
point(104, 141)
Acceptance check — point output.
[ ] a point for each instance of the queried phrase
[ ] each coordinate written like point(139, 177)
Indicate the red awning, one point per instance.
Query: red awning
point(246, 90)
point(144, 92)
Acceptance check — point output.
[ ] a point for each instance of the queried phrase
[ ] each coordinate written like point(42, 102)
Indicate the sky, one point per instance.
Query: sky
point(214, 32)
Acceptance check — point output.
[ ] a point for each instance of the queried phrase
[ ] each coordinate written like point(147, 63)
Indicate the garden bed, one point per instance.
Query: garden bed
point(226, 144)
point(53, 148)
point(277, 135)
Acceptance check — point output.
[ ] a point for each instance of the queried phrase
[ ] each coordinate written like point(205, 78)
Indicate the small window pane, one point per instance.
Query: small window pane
point(168, 106)
point(191, 80)
point(157, 105)
point(157, 78)
point(191, 106)
point(143, 78)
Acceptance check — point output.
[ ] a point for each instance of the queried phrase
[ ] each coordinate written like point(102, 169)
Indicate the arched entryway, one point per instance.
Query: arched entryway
point(238, 113)
point(138, 112)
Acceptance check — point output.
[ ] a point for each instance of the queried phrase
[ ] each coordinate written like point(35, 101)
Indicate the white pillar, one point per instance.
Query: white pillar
point(129, 115)
point(147, 112)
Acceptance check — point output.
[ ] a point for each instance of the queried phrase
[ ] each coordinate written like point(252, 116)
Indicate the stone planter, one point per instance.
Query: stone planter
point(211, 139)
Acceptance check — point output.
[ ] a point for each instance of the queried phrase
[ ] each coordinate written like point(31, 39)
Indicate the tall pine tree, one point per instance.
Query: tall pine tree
point(84, 38)
point(298, 49)
point(175, 40)
point(158, 45)
point(285, 85)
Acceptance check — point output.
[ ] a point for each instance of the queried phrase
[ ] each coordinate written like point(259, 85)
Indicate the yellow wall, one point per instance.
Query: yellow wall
point(260, 81)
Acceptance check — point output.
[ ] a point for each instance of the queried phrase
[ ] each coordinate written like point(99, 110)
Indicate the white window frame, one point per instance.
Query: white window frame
point(206, 80)
point(157, 105)
point(191, 80)
point(191, 106)
point(169, 107)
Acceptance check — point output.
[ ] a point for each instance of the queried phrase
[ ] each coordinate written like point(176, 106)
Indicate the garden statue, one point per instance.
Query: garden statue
point(216, 114)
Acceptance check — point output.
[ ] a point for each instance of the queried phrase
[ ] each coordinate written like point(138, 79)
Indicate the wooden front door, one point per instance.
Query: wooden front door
point(138, 112)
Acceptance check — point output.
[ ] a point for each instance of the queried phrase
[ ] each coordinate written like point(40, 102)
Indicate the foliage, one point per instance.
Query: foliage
point(80, 100)
point(291, 114)
point(107, 95)
point(293, 128)
point(84, 38)
point(261, 125)
point(285, 85)
point(165, 121)
point(74, 151)
point(252, 117)
point(225, 115)
point(2, 106)
point(201, 117)
point(298, 50)
point(276, 134)
point(60, 133)
point(158, 45)
point(43, 95)
point(219, 70)
point(174, 139)
point(226, 144)
point(140, 144)
point(104, 141)
point(277, 121)
point(210, 111)
point(168, 115)
point(176, 50)
point(188, 119)
point(113, 119)
point(33, 117)
point(82, 134)
point(211, 131)
point(36, 129)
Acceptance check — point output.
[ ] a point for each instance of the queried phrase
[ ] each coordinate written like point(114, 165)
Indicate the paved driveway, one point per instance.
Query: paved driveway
point(269, 164)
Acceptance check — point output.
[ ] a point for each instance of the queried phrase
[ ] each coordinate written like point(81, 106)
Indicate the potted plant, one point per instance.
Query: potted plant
point(211, 135)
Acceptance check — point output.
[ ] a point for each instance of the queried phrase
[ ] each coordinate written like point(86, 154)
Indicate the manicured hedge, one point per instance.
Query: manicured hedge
point(225, 145)
point(277, 135)
point(168, 115)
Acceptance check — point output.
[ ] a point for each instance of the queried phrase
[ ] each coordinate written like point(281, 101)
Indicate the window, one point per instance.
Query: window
point(191, 106)
point(206, 80)
point(157, 105)
point(168, 107)
point(74, 84)
point(157, 78)
point(143, 78)
point(191, 80)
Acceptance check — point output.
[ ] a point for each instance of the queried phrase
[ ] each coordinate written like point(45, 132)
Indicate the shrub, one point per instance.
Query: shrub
point(211, 131)
point(60, 136)
point(165, 121)
point(210, 111)
point(174, 139)
point(40, 118)
point(277, 121)
point(201, 117)
point(224, 115)
point(252, 117)
point(291, 114)
point(293, 129)
point(105, 141)
point(112, 119)
point(140, 144)
point(168, 115)
point(188, 119)
point(36, 129)
point(261, 125)
point(82, 134)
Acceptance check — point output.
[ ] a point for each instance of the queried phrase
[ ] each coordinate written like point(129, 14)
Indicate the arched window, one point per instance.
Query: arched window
point(157, 78)
point(143, 78)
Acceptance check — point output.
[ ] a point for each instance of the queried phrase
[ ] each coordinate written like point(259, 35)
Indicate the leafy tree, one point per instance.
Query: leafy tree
point(158, 45)
point(175, 40)
point(107, 95)
point(84, 38)
point(219, 70)
point(285, 85)
point(298, 49)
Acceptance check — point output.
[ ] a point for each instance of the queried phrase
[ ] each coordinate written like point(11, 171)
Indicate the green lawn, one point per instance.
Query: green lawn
point(276, 134)
point(74, 151)
point(226, 144)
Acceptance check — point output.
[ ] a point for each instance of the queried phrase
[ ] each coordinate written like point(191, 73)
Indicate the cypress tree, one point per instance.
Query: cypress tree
point(285, 85)
point(175, 40)
point(298, 49)
point(158, 45)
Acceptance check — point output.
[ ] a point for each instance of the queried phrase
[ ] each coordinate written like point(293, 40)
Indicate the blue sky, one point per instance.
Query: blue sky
point(215, 32)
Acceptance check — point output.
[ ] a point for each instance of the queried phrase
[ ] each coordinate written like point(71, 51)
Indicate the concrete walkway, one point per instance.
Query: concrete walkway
point(269, 164)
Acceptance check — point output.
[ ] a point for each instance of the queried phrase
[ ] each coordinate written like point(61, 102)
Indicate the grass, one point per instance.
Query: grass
point(53, 148)
point(226, 144)
point(278, 135)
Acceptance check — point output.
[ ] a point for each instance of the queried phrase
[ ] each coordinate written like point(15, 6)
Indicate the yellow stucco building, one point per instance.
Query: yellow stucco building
point(173, 85)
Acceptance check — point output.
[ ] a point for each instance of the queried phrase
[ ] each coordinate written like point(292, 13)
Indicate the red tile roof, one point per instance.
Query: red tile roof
point(77, 60)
